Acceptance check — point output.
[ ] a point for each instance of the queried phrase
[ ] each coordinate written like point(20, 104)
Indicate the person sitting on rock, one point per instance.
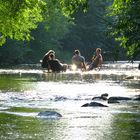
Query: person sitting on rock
point(55, 65)
point(97, 60)
point(45, 59)
point(78, 60)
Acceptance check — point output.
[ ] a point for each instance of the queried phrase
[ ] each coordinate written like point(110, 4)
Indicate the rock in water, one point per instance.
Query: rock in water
point(94, 104)
point(49, 114)
point(118, 98)
point(129, 77)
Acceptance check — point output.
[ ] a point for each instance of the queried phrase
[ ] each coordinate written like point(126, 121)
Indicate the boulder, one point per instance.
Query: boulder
point(118, 98)
point(110, 101)
point(102, 97)
point(129, 77)
point(137, 98)
point(94, 104)
point(49, 114)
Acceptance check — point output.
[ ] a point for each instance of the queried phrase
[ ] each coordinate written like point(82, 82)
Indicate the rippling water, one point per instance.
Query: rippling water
point(25, 93)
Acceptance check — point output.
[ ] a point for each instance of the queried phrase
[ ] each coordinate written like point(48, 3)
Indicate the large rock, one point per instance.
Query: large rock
point(137, 98)
point(49, 114)
point(94, 104)
point(117, 99)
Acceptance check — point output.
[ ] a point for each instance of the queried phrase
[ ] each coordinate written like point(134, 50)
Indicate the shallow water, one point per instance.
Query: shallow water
point(24, 93)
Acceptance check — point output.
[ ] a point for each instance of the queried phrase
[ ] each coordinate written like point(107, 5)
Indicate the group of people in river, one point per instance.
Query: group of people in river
point(50, 63)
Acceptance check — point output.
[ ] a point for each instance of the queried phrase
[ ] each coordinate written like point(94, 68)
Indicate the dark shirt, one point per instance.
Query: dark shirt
point(55, 65)
point(44, 63)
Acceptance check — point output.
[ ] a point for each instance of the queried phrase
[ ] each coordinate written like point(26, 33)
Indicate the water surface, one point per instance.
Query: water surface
point(24, 93)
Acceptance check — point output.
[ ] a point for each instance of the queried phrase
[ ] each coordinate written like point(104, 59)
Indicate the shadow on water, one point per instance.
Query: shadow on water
point(24, 93)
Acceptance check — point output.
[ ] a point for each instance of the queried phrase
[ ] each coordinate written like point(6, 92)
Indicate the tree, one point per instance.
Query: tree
point(19, 17)
point(126, 26)
point(90, 31)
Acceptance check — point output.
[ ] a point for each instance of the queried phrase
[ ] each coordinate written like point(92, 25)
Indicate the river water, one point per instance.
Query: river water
point(26, 92)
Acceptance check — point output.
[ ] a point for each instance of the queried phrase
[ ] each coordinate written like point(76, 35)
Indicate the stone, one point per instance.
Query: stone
point(49, 114)
point(94, 104)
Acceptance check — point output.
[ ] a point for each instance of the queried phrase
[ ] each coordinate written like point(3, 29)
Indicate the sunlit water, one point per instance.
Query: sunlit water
point(24, 93)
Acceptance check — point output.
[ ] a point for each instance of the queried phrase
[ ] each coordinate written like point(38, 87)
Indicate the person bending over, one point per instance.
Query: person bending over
point(55, 65)
point(46, 58)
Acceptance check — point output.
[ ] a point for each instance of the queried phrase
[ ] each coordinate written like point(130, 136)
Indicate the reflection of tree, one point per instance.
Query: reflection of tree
point(10, 82)
point(125, 126)
point(17, 82)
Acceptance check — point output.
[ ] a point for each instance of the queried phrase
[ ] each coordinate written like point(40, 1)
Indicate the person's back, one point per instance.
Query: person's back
point(55, 64)
point(78, 60)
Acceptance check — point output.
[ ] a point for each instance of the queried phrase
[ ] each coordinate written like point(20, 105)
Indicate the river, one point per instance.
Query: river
point(26, 92)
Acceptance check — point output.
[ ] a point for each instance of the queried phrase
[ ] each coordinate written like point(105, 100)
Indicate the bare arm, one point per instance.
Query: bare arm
point(100, 61)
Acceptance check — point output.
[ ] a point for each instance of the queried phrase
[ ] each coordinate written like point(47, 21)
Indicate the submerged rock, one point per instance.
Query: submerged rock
point(94, 104)
point(49, 114)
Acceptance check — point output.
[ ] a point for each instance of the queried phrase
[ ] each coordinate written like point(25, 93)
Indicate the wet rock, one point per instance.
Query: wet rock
point(49, 114)
point(102, 97)
point(117, 99)
point(139, 66)
point(110, 101)
point(94, 104)
point(129, 77)
point(60, 98)
point(137, 98)
point(85, 105)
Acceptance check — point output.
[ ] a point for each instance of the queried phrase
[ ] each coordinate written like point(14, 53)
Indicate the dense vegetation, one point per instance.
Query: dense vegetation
point(126, 26)
point(29, 28)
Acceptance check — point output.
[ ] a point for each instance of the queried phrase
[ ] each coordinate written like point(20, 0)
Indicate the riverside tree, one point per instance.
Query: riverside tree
point(125, 25)
point(19, 17)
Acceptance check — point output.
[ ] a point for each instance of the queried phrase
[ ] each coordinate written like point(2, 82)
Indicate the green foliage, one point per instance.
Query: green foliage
point(14, 52)
point(19, 17)
point(126, 26)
